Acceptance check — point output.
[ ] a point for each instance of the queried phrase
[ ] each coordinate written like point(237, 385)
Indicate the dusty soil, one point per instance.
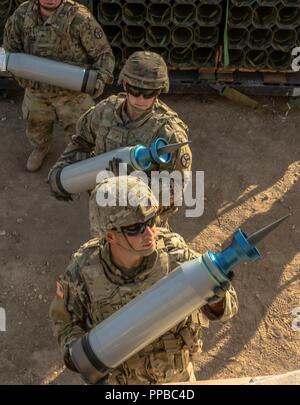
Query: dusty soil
point(252, 168)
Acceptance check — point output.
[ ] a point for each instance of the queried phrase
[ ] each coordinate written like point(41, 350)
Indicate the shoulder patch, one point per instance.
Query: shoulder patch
point(98, 33)
point(185, 160)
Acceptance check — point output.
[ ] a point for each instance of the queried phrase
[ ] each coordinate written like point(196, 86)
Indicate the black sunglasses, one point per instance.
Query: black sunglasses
point(136, 91)
point(138, 229)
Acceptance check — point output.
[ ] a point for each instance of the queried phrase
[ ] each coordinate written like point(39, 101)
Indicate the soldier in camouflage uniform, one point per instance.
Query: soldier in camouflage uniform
point(129, 256)
point(131, 118)
point(65, 31)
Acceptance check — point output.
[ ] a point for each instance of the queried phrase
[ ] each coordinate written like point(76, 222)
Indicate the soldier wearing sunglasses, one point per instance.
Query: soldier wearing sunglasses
point(134, 117)
point(130, 254)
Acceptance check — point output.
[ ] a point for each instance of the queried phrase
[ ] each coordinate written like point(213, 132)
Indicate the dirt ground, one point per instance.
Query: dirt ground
point(252, 169)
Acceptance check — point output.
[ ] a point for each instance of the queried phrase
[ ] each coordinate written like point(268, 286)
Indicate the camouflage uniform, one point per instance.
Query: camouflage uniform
point(93, 288)
point(70, 35)
point(107, 126)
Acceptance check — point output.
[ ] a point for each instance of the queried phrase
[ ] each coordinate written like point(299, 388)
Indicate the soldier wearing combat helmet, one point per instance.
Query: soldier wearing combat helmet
point(65, 31)
point(134, 117)
point(131, 254)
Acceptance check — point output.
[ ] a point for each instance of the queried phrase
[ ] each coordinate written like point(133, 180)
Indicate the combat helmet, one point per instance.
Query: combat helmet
point(146, 70)
point(128, 201)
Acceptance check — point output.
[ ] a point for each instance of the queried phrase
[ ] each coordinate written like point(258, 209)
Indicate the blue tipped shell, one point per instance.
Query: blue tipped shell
point(238, 252)
point(161, 159)
point(143, 157)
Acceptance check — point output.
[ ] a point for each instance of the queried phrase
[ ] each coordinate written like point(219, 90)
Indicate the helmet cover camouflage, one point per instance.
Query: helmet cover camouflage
point(121, 201)
point(146, 70)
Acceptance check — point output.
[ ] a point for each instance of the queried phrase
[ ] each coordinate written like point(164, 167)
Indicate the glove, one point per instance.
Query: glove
point(114, 166)
point(99, 87)
point(220, 291)
point(54, 189)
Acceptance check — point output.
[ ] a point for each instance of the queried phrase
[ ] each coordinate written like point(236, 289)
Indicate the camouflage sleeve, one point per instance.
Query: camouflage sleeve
point(13, 37)
point(68, 311)
point(95, 43)
point(88, 129)
point(13, 34)
point(83, 142)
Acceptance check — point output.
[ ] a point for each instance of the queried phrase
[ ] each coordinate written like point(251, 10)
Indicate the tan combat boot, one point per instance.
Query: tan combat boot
point(36, 158)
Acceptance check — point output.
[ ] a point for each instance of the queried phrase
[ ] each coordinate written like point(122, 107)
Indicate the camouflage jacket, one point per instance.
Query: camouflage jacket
point(71, 35)
point(107, 126)
point(93, 288)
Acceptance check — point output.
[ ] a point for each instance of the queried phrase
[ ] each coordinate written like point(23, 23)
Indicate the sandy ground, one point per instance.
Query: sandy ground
point(252, 168)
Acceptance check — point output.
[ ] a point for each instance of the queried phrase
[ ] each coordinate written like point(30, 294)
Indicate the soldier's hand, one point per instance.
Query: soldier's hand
point(99, 87)
point(220, 292)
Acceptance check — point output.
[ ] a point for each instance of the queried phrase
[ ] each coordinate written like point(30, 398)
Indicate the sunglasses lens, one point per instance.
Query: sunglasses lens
point(134, 230)
point(150, 95)
point(139, 228)
point(136, 92)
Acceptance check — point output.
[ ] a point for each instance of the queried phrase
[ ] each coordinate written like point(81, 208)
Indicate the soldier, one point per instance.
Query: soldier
point(66, 31)
point(131, 118)
point(130, 254)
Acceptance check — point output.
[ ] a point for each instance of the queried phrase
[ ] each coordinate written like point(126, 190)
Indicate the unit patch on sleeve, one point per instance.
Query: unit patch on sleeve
point(98, 33)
